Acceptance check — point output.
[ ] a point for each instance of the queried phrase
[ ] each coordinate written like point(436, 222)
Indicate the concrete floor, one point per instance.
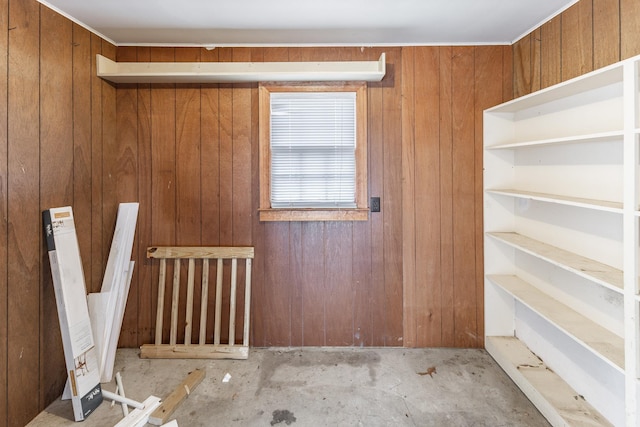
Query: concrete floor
point(324, 387)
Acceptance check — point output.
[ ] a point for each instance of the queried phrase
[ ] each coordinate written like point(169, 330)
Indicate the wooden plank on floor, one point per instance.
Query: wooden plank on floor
point(553, 397)
point(170, 403)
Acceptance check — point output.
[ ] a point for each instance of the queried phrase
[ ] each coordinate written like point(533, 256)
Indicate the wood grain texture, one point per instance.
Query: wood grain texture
point(24, 224)
point(56, 173)
point(409, 241)
point(98, 261)
point(4, 285)
point(81, 63)
point(606, 32)
point(147, 292)
point(465, 298)
point(550, 52)
point(487, 93)
point(590, 34)
point(629, 28)
point(522, 66)
point(577, 39)
point(446, 304)
point(121, 165)
point(427, 197)
point(392, 199)
point(376, 188)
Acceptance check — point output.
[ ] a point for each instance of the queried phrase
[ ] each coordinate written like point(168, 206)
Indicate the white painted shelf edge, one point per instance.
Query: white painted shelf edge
point(597, 272)
point(598, 340)
point(602, 205)
point(239, 72)
point(599, 78)
point(557, 401)
point(575, 139)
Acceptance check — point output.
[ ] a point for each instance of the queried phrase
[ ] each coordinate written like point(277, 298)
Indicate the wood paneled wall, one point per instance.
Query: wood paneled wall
point(445, 90)
point(55, 116)
point(589, 35)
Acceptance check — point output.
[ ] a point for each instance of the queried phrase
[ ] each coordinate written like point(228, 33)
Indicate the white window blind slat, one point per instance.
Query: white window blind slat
point(313, 141)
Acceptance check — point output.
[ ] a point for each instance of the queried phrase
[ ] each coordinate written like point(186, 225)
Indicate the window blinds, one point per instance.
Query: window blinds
point(313, 141)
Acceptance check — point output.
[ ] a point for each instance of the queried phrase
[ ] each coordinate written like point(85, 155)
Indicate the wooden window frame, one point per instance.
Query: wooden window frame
point(361, 211)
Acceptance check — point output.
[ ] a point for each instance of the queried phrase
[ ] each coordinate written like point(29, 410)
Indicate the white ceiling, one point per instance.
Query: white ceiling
point(212, 23)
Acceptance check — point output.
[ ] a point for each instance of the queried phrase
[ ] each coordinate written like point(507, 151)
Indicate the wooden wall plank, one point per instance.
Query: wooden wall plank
point(427, 198)
point(226, 154)
point(392, 199)
point(24, 218)
point(339, 284)
point(241, 168)
point(4, 254)
point(536, 47)
point(188, 175)
point(163, 168)
point(465, 299)
point(446, 197)
point(487, 93)
point(121, 176)
point(507, 73)
point(410, 305)
point(143, 271)
point(629, 28)
point(98, 262)
point(577, 39)
point(210, 165)
point(522, 66)
point(313, 291)
point(606, 32)
point(109, 154)
point(56, 175)
point(550, 52)
point(81, 63)
point(258, 228)
point(376, 220)
point(276, 314)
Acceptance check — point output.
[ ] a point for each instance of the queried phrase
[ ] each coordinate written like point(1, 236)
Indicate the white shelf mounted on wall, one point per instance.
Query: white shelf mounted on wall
point(239, 72)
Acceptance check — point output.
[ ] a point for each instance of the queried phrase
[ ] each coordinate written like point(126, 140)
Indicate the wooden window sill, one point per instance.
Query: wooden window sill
point(357, 214)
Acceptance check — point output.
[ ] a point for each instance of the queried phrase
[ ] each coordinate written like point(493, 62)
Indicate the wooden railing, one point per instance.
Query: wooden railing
point(208, 345)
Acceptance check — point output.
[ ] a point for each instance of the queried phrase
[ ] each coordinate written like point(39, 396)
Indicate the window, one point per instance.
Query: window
point(313, 154)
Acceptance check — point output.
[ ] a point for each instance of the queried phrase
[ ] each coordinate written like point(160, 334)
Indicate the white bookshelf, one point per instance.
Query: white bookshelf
point(561, 245)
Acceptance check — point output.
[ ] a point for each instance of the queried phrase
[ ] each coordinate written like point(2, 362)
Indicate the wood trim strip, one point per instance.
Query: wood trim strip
point(204, 299)
point(160, 309)
point(181, 351)
point(189, 308)
point(218, 311)
point(232, 301)
point(198, 252)
point(247, 302)
point(174, 302)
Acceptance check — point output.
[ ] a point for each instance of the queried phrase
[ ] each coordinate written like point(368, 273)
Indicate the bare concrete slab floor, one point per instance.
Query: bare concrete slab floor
point(324, 387)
